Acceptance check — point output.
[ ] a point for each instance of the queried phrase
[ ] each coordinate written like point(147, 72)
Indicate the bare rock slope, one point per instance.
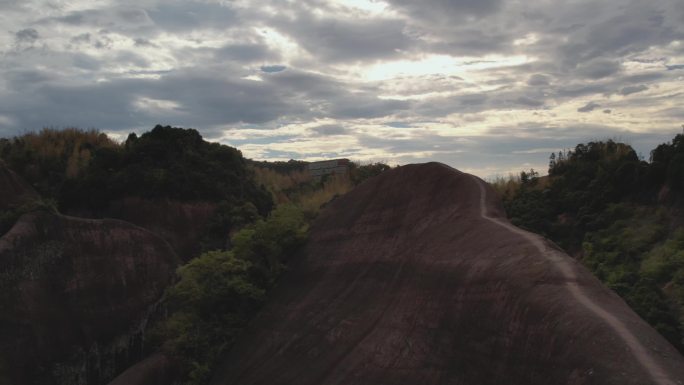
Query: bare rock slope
point(74, 293)
point(416, 277)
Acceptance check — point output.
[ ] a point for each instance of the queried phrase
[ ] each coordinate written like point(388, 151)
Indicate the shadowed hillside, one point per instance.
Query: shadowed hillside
point(75, 296)
point(415, 277)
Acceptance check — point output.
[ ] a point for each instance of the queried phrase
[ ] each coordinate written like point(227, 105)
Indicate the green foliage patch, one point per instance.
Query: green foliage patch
point(220, 291)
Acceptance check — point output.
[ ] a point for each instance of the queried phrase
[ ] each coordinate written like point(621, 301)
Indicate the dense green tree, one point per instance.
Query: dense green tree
point(220, 291)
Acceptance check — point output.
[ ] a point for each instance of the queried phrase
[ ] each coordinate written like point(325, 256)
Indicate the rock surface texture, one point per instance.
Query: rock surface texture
point(416, 277)
point(73, 294)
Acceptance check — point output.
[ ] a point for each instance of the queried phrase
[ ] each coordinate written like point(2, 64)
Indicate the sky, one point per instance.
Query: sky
point(490, 87)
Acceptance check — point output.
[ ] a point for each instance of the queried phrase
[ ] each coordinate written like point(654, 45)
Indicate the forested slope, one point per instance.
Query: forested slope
point(623, 217)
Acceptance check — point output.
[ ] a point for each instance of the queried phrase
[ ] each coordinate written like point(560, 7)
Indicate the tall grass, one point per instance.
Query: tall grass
point(301, 189)
point(331, 188)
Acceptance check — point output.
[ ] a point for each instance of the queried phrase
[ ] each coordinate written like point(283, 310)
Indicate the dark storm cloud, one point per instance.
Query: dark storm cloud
point(171, 16)
point(83, 38)
point(538, 80)
point(598, 68)
point(591, 106)
point(330, 129)
point(183, 16)
point(248, 52)
point(27, 79)
point(273, 68)
point(26, 36)
point(341, 40)
point(632, 89)
point(526, 101)
point(141, 42)
point(642, 77)
point(200, 99)
point(330, 98)
point(85, 62)
point(67, 106)
point(306, 84)
point(114, 18)
point(581, 89)
point(354, 106)
point(628, 29)
point(444, 10)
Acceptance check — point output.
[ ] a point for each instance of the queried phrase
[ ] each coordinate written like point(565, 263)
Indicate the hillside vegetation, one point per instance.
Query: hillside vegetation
point(222, 290)
point(259, 216)
point(85, 169)
point(621, 216)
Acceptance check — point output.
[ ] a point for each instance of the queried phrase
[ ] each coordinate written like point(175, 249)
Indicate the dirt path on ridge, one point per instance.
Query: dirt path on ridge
point(639, 351)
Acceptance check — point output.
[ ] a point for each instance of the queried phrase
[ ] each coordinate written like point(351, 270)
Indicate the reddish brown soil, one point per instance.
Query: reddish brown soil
point(70, 288)
point(415, 277)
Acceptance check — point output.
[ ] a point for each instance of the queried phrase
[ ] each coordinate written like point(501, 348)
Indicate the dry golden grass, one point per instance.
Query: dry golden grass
point(335, 186)
point(278, 183)
point(506, 186)
point(300, 188)
point(71, 144)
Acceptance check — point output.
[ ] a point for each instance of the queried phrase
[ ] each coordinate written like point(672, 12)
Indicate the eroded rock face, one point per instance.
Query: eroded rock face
point(13, 190)
point(182, 224)
point(415, 277)
point(72, 292)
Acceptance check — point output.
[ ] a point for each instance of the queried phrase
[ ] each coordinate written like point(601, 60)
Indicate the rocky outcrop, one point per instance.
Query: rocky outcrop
point(182, 224)
point(157, 369)
point(75, 295)
point(415, 277)
point(13, 190)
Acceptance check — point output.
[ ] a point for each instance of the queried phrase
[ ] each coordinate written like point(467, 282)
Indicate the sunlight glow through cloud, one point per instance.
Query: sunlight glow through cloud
point(439, 64)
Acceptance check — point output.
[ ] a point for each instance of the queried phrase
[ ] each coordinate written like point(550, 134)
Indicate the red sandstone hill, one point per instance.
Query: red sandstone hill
point(182, 224)
point(415, 277)
point(75, 294)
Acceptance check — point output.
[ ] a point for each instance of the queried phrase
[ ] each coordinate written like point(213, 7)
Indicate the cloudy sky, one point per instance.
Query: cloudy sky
point(487, 86)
